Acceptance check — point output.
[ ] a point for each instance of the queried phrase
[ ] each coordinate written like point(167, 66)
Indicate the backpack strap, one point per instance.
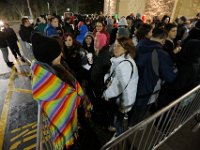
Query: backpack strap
point(112, 75)
point(155, 62)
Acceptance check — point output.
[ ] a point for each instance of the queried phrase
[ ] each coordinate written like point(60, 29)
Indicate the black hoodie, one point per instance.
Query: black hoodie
point(25, 33)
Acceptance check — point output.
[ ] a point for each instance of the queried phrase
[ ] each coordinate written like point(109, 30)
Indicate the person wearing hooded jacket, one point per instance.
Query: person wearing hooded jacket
point(155, 66)
point(193, 34)
point(50, 29)
point(88, 43)
point(83, 31)
point(57, 92)
point(101, 63)
point(26, 30)
point(75, 56)
point(100, 27)
point(188, 75)
point(99, 67)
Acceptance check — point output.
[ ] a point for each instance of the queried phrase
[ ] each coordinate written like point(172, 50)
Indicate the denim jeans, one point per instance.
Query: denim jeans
point(119, 123)
point(5, 54)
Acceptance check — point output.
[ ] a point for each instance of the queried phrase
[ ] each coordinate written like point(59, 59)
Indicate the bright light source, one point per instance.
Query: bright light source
point(68, 9)
point(1, 23)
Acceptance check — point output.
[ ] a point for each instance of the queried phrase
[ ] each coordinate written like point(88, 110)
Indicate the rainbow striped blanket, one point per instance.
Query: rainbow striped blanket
point(59, 101)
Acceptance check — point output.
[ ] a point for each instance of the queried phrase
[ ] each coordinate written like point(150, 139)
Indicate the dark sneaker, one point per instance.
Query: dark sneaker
point(10, 64)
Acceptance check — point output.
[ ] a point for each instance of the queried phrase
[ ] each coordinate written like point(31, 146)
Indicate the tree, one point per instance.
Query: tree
point(19, 6)
point(29, 8)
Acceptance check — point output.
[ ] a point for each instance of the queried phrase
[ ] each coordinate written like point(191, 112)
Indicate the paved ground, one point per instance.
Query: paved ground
point(18, 110)
point(184, 139)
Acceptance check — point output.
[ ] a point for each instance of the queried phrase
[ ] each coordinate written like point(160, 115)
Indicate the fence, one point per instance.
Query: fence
point(27, 51)
point(44, 140)
point(148, 134)
point(153, 131)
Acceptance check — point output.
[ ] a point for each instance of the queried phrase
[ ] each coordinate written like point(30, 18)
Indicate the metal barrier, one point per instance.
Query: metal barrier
point(44, 135)
point(27, 51)
point(153, 131)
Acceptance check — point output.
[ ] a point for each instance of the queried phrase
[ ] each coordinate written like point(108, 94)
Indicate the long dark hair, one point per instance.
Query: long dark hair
point(75, 44)
point(143, 30)
point(128, 45)
point(63, 72)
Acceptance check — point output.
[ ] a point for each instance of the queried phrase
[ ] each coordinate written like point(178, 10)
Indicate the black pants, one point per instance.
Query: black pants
point(137, 114)
point(14, 49)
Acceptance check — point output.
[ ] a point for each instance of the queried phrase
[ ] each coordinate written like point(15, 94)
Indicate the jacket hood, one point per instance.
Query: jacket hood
point(146, 45)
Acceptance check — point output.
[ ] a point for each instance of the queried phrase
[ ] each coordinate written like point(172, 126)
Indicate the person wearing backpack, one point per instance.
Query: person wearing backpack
point(155, 66)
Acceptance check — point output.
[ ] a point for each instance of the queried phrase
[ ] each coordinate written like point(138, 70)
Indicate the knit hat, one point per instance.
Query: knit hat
point(101, 38)
point(89, 34)
point(45, 49)
point(183, 18)
point(123, 32)
point(122, 22)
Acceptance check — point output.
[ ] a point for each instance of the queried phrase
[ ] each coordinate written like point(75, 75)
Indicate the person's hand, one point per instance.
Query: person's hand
point(177, 50)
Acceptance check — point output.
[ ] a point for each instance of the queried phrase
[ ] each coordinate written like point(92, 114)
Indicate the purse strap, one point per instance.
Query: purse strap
point(112, 74)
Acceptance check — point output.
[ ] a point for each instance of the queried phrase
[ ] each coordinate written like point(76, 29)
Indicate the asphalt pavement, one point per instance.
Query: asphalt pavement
point(18, 110)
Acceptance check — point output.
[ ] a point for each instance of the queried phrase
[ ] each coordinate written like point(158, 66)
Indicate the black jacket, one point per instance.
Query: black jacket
point(75, 58)
point(10, 36)
point(25, 33)
point(188, 75)
point(3, 43)
point(147, 76)
point(169, 47)
point(100, 67)
point(68, 28)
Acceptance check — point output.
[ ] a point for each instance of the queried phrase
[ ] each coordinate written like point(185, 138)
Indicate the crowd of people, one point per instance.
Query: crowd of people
point(108, 70)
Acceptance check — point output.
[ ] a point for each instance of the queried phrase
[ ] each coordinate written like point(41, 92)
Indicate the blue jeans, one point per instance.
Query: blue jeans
point(119, 123)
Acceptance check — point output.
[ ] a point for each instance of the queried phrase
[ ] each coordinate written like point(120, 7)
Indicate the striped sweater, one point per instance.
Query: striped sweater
point(59, 101)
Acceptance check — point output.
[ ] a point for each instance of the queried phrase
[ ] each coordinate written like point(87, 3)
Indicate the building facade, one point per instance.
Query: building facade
point(149, 8)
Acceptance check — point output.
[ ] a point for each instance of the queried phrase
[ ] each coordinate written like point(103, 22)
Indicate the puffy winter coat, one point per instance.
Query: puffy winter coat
point(123, 82)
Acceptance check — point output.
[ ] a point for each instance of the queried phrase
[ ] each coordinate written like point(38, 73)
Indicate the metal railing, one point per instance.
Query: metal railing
point(44, 135)
point(155, 130)
point(27, 51)
point(147, 135)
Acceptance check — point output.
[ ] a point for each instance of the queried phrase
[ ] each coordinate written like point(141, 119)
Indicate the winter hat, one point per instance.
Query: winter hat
point(183, 18)
point(109, 21)
point(138, 15)
point(123, 32)
point(80, 24)
point(122, 22)
point(89, 34)
point(45, 49)
point(101, 38)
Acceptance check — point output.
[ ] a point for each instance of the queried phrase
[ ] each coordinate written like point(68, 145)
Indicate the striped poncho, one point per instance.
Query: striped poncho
point(59, 101)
